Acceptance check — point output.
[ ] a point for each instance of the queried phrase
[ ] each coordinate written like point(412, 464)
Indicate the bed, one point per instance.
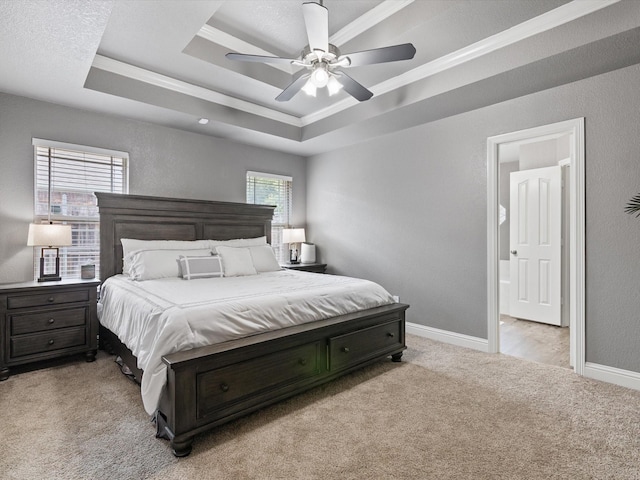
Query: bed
point(208, 385)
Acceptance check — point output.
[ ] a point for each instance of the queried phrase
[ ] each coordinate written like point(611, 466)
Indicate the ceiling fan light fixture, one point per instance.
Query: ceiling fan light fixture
point(333, 85)
point(309, 88)
point(320, 59)
point(320, 75)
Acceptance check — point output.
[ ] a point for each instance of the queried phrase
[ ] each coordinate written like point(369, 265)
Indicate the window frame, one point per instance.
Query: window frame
point(280, 249)
point(90, 223)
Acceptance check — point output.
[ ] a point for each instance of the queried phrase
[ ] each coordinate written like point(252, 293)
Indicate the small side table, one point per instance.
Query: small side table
point(45, 320)
point(306, 267)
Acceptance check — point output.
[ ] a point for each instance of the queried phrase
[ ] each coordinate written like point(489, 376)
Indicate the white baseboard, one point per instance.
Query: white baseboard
point(445, 336)
point(617, 376)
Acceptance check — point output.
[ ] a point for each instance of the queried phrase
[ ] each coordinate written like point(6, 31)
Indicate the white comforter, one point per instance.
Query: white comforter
point(158, 317)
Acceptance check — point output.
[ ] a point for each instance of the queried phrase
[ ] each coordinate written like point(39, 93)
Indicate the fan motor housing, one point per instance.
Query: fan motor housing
point(327, 57)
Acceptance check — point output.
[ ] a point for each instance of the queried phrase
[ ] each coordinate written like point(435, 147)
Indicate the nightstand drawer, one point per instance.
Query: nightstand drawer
point(46, 320)
point(46, 342)
point(46, 299)
point(49, 320)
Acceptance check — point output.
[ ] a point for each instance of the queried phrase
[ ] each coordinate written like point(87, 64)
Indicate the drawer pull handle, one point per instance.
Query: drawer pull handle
point(390, 335)
point(51, 299)
point(51, 320)
point(51, 342)
point(345, 349)
point(302, 361)
point(224, 387)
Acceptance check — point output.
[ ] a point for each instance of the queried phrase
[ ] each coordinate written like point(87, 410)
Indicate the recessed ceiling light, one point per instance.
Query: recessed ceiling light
point(203, 121)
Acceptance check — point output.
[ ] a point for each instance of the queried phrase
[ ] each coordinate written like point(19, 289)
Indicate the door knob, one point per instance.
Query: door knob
point(514, 252)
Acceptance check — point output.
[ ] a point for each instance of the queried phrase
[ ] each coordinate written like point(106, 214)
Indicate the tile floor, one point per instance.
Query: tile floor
point(534, 341)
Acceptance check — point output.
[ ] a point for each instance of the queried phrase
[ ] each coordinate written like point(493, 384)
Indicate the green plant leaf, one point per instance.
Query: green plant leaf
point(633, 206)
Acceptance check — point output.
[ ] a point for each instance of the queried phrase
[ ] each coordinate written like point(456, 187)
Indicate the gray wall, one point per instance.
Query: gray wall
point(409, 211)
point(163, 161)
point(541, 154)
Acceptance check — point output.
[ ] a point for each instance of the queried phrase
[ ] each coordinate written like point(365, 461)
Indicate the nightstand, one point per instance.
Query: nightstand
point(306, 267)
point(41, 321)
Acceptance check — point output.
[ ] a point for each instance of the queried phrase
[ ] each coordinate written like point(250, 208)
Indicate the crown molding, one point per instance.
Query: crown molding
point(368, 20)
point(236, 44)
point(542, 23)
point(140, 74)
point(547, 21)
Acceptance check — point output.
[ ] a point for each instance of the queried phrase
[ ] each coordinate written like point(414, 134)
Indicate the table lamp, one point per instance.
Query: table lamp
point(49, 236)
point(293, 236)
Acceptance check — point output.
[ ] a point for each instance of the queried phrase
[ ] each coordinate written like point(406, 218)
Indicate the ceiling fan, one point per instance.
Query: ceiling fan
point(322, 59)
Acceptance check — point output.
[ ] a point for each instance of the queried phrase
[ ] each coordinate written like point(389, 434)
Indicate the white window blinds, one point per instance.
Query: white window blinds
point(66, 177)
point(269, 189)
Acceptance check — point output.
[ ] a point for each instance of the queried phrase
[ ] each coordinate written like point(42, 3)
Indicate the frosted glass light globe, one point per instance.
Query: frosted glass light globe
point(320, 76)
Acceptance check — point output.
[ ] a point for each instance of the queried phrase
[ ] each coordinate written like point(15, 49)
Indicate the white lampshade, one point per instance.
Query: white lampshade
point(293, 235)
point(49, 235)
point(333, 85)
point(309, 88)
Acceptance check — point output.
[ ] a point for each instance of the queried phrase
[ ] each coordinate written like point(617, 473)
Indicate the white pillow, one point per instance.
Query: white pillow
point(131, 245)
point(264, 260)
point(239, 242)
point(200, 267)
point(236, 261)
point(152, 264)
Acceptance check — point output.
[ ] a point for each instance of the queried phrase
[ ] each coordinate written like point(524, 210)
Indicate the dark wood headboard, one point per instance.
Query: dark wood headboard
point(157, 218)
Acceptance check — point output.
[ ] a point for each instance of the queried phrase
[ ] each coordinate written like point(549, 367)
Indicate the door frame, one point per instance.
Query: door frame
point(575, 128)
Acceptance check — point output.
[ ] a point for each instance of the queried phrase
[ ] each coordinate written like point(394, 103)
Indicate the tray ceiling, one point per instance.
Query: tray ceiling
point(164, 61)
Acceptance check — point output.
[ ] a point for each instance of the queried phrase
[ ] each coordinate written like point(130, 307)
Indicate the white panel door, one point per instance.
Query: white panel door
point(535, 244)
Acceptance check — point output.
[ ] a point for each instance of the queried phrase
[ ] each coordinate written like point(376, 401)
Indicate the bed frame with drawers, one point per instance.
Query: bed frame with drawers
point(212, 385)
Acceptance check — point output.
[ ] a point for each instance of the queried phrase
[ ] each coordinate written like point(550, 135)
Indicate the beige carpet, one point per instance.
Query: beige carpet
point(444, 413)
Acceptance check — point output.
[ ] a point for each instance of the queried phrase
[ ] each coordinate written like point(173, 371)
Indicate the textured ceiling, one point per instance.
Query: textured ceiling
point(164, 60)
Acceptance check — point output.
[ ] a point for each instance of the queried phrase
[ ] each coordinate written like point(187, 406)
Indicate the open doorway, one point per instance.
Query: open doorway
point(545, 154)
point(532, 265)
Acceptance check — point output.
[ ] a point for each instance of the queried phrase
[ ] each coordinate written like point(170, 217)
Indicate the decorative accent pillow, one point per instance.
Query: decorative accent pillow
point(132, 245)
point(200, 267)
point(152, 264)
point(264, 260)
point(236, 261)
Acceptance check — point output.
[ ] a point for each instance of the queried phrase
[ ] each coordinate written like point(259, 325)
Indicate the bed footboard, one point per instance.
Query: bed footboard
point(212, 385)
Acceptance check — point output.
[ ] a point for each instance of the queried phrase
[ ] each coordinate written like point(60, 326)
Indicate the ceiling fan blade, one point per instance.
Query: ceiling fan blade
point(294, 87)
point(316, 18)
point(258, 58)
point(353, 88)
point(406, 51)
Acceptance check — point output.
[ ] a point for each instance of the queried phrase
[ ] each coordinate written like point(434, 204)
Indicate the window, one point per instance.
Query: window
point(65, 178)
point(269, 189)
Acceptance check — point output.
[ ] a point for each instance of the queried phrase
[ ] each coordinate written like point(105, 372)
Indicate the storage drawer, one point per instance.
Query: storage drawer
point(46, 342)
point(49, 320)
point(219, 388)
point(48, 299)
point(356, 347)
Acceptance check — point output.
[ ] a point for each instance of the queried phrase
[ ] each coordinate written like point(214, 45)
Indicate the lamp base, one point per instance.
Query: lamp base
point(294, 258)
point(51, 278)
